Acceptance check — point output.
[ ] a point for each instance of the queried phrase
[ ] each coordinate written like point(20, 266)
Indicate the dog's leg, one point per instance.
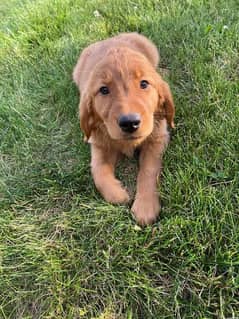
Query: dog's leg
point(102, 168)
point(146, 206)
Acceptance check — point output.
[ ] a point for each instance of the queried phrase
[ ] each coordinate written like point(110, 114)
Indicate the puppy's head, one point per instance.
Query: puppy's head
point(124, 92)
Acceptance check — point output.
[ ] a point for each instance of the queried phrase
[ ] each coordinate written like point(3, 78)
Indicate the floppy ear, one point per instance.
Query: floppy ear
point(166, 103)
point(86, 115)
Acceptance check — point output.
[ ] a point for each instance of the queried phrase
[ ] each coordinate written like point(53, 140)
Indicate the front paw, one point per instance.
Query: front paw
point(114, 193)
point(146, 209)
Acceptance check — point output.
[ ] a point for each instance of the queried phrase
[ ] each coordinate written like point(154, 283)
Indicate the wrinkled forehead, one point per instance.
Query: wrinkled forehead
point(122, 64)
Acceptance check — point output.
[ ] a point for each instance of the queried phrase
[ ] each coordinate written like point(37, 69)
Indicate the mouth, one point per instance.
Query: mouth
point(132, 137)
point(128, 138)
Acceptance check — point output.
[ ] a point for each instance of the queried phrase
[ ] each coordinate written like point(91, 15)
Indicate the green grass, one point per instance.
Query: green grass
point(64, 252)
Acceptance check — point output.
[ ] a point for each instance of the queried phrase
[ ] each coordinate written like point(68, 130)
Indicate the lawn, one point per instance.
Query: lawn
point(64, 251)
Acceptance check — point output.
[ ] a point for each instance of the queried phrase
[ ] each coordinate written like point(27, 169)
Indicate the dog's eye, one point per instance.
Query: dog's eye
point(104, 90)
point(144, 84)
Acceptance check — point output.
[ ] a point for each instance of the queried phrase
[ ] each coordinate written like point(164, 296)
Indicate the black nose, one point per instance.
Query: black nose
point(129, 123)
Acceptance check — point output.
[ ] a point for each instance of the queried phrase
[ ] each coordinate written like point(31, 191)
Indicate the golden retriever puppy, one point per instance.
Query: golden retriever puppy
point(125, 105)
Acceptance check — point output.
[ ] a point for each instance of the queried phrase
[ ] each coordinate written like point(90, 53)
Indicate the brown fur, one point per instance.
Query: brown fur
point(120, 63)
